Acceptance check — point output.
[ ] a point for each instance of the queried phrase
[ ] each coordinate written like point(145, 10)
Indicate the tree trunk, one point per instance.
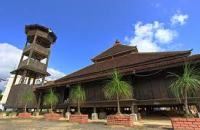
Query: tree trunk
point(51, 110)
point(25, 107)
point(39, 102)
point(78, 105)
point(186, 103)
point(118, 105)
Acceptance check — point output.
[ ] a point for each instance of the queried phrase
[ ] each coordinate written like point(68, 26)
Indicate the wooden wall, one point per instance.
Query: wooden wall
point(151, 86)
point(144, 88)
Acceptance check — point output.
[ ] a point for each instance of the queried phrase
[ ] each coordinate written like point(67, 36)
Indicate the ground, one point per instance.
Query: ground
point(36, 124)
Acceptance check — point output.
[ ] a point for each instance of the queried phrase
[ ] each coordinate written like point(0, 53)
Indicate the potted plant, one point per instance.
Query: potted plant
point(51, 99)
point(184, 85)
point(77, 96)
point(118, 89)
point(27, 97)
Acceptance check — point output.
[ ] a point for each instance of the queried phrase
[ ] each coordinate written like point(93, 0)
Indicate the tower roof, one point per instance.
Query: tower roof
point(42, 28)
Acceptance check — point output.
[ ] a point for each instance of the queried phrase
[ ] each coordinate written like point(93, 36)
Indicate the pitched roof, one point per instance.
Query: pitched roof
point(136, 61)
point(117, 49)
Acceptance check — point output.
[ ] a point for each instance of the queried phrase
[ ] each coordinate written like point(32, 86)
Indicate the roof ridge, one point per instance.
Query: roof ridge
point(164, 52)
point(99, 56)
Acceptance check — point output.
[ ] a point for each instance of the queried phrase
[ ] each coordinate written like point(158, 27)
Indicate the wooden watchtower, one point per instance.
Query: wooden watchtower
point(33, 63)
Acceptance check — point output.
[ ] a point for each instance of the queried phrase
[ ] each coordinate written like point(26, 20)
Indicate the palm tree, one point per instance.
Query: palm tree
point(27, 97)
point(77, 95)
point(117, 89)
point(186, 84)
point(50, 99)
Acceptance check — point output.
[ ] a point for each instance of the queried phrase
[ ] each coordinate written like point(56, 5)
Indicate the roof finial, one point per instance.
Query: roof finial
point(117, 42)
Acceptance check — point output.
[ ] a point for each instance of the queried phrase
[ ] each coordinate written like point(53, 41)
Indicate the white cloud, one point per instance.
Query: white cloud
point(10, 56)
point(55, 74)
point(2, 84)
point(179, 18)
point(165, 36)
point(145, 45)
point(149, 37)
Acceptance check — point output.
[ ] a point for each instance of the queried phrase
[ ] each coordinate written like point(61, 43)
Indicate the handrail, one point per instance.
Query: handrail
point(33, 64)
point(37, 48)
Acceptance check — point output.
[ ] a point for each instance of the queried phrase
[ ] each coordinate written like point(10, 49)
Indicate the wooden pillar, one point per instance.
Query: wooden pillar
point(134, 108)
point(14, 80)
point(25, 80)
point(47, 62)
point(134, 112)
point(34, 40)
point(31, 51)
point(94, 110)
point(29, 56)
point(34, 80)
point(23, 76)
point(29, 80)
point(68, 108)
point(43, 78)
point(181, 109)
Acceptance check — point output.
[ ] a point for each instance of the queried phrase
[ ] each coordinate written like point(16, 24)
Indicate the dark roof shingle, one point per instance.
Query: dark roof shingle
point(115, 50)
point(133, 59)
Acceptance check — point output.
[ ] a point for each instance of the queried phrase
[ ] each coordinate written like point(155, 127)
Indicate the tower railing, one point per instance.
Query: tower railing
point(37, 48)
point(34, 64)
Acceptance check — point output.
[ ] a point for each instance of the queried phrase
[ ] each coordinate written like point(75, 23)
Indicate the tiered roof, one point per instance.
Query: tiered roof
point(116, 50)
point(128, 61)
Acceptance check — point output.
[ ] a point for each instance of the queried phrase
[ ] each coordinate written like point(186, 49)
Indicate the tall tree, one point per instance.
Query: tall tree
point(50, 99)
point(27, 97)
point(77, 95)
point(117, 89)
point(186, 84)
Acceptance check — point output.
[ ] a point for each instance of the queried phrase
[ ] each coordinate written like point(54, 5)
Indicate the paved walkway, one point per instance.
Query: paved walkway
point(21, 124)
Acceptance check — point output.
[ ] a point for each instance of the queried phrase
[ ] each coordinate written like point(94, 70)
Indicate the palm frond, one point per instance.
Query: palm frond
point(50, 98)
point(189, 81)
point(77, 94)
point(117, 87)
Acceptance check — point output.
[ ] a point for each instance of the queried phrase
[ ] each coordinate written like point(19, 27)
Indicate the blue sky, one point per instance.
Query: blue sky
point(87, 27)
